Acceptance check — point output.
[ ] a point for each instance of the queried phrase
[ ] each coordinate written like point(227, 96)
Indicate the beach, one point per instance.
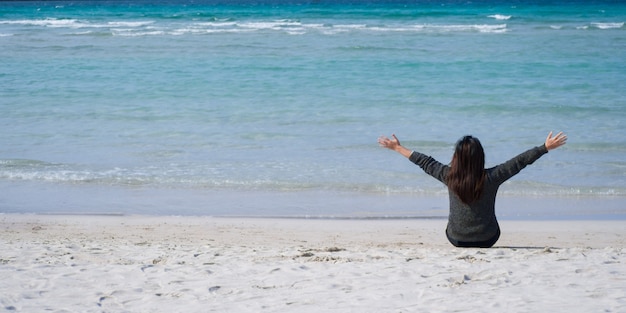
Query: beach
point(222, 156)
point(132, 263)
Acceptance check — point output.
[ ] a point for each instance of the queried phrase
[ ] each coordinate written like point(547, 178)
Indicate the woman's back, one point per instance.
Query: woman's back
point(474, 223)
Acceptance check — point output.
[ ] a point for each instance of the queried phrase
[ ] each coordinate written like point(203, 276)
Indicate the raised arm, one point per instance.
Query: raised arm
point(394, 144)
point(513, 166)
point(431, 166)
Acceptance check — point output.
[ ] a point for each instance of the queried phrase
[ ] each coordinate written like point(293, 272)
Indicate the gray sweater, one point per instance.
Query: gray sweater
point(477, 222)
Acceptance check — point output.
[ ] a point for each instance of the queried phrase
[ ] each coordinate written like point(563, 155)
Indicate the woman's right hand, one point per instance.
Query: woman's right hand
point(556, 141)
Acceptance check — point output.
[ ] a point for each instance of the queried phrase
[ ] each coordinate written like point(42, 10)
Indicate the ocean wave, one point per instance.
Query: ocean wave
point(607, 25)
point(133, 33)
point(500, 28)
point(75, 23)
point(153, 28)
point(500, 17)
point(129, 24)
point(276, 178)
point(22, 163)
point(596, 26)
point(217, 24)
point(50, 22)
point(347, 28)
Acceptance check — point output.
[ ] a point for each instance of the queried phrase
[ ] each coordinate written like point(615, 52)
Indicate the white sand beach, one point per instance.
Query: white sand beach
point(60, 263)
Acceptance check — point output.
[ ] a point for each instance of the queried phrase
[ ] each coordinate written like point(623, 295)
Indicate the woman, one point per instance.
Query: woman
point(472, 188)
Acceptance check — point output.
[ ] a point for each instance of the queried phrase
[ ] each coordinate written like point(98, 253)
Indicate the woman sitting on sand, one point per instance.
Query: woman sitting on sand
point(472, 188)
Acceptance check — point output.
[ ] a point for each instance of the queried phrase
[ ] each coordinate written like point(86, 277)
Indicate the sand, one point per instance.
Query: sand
point(60, 263)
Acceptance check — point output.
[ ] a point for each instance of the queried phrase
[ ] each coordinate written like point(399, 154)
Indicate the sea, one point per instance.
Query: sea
point(270, 108)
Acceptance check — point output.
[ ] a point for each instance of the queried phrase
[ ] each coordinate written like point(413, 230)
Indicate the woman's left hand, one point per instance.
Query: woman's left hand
point(394, 144)
point(556, 141)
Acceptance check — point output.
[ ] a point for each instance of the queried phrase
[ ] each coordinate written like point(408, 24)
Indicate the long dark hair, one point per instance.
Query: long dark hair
point(467, 170)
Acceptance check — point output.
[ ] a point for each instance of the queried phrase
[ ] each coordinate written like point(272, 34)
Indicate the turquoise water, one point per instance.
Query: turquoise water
point(252, 108)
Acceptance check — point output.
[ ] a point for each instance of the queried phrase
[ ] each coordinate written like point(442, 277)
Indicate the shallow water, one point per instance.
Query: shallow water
point(119, 102)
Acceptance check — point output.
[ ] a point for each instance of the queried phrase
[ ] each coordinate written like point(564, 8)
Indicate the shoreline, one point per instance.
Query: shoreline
point(69, 199)
point(616, 216)
point(540, 233)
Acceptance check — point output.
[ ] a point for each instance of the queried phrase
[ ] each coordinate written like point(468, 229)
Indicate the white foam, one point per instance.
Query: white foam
point(315, 26)
point(443, 28)
point(133, 33)
point(82, 33)
point(500, 16)
point(45, 22)
point(335, 29)
point(268, 25)
point(191, 30)
point(74, 23)
point(130, 24)
point(288, 26)
point(608, 25)
point(291, 27)
point(465, 28)
point(216, 24)
point(351, 26)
